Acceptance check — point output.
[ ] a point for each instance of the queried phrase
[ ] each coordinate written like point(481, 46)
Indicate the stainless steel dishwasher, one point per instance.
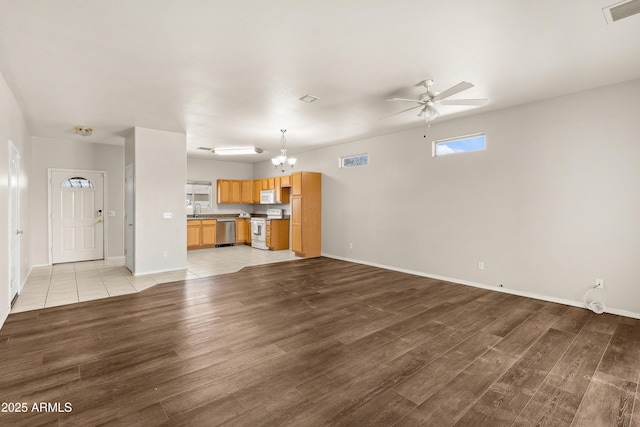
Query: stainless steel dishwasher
point(225, 231)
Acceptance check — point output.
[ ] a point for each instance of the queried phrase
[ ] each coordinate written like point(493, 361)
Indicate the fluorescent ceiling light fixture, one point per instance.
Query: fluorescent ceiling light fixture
point(236, 150)
point(621, 10)
point(309, 98)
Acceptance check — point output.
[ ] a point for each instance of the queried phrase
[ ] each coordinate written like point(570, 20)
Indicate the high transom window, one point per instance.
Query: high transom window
point(352, 161)
point(460, 144)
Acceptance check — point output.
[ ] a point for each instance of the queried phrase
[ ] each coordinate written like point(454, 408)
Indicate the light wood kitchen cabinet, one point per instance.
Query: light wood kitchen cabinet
point(296, 183)
point(223, 191)
point(282, 193)
point(236, 191)
point(257, 187)
point(201, 233)
point(277, 234)
point(208, 232)
point(246, 191)
point(243, 230)
point(194, 233)
point(265, 183)
point(306, 214)
point(285, 181)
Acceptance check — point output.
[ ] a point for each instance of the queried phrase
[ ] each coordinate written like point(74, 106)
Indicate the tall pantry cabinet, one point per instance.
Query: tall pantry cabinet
point(306, 214)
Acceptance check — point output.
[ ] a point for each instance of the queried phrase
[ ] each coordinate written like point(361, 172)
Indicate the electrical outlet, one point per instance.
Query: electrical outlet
point(165, 254)
point(480, 265)
point(600, 283)
point(350, 245)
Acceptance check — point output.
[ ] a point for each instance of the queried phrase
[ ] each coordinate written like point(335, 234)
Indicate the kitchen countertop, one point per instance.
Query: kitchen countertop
point(228, 217)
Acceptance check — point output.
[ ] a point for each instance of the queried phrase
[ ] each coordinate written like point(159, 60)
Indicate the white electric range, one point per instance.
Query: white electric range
point(259, 228)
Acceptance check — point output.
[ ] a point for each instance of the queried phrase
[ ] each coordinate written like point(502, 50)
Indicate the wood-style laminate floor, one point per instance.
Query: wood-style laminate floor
point(319, 342)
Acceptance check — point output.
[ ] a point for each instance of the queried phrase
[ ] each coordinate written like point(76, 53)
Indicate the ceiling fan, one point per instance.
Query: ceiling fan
point(427, 101)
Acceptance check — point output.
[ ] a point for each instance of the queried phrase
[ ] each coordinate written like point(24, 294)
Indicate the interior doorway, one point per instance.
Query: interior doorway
point(77, 215)
point(14, 222)
point(129, 217)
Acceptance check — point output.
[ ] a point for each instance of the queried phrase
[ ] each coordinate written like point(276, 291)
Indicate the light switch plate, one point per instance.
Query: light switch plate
point(167, 215)
point(112, 213)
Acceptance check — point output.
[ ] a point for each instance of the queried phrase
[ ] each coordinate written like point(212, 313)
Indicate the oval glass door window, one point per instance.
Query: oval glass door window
point(77, 182)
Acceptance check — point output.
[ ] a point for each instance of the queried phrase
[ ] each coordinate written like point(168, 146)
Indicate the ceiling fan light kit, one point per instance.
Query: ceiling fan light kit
point(428, 101)
point(84, 131)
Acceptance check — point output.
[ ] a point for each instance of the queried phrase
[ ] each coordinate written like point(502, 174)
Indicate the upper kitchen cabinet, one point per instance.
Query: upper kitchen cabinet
point(257, 187)
point(285, 181)
point(282, 193)
point(223, 188)
point(306, 214)
point(246, 191)
point(234, 191)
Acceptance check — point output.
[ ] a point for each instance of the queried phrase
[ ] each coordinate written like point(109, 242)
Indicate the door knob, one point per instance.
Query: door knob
point(99, 221)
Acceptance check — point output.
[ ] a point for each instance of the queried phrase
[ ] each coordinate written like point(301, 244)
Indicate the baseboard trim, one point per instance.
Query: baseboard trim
point(24, 282)
point(40, 265)
point(483, 286)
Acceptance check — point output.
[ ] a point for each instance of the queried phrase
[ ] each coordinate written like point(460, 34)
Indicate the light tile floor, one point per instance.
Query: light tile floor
point(83, 281)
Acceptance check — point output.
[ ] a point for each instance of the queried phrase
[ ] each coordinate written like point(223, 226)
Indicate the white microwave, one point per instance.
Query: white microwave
point(267, 197)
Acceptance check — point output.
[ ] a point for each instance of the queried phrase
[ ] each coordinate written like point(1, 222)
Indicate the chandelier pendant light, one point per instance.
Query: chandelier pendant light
point(282, 159)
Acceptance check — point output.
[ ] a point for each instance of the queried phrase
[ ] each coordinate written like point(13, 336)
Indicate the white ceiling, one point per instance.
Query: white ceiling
point(229, 73)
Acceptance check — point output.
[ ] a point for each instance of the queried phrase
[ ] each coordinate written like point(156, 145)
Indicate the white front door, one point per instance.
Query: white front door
point(14, 223)
point(77, 216)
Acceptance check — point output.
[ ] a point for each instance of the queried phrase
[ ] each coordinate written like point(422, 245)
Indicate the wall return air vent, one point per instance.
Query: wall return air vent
point(621, 10)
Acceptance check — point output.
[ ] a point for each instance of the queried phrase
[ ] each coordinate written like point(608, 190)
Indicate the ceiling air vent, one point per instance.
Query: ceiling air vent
point(621, 10)
point(309, 98)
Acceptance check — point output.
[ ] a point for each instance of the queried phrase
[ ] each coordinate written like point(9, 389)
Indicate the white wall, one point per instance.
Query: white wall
point(81, 155)
point(211, 170)
point(13, 128)
point(160, 175)
point(551, 205)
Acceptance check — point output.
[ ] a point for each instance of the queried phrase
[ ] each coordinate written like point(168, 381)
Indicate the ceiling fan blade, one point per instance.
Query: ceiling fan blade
point(464, 101)
point(403, 111)
point(403, 99)
point(453, 90)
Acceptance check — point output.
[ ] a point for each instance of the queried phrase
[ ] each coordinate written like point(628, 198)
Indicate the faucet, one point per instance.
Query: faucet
point(195, 209)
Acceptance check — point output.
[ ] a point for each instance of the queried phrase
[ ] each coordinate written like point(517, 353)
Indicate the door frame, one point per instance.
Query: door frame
point(105, 208)
point(129, 215)
point(14, 211)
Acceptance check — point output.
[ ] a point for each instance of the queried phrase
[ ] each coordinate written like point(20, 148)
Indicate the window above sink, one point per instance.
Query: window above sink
point(199, 192)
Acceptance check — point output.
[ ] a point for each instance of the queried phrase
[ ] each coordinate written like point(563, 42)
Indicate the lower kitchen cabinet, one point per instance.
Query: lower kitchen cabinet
point(201, 233)
point(243, 231)
point(194, 234)
point(277, 234)
point(208, 232)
